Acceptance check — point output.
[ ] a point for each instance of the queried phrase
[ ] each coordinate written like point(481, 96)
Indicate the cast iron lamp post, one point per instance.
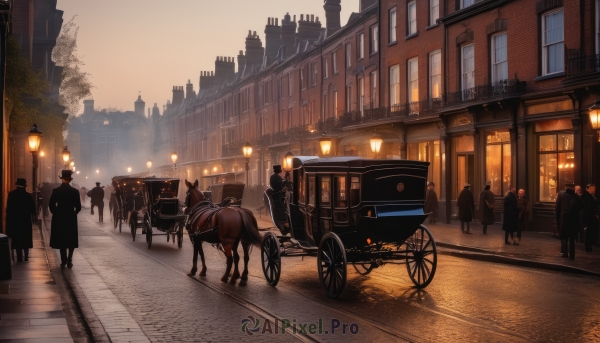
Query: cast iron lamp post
point(66, 155)
point(35, 139)
point(247, 150)
point(325, 144)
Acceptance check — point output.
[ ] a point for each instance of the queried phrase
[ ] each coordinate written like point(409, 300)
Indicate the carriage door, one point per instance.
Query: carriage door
point(324, 203)
point(465, 171)
point(312, 210)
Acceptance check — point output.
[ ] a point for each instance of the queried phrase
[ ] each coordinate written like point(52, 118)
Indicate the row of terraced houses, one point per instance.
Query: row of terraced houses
point(488, 91)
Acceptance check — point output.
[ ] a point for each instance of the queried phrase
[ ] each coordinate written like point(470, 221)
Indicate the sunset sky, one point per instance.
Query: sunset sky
point(150, 46)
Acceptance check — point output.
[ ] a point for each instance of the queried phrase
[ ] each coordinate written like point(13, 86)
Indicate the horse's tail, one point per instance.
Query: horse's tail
point(250, 233)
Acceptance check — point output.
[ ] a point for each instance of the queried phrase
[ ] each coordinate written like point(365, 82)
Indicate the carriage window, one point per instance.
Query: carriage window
point(325, 190)
point(311, 191)
point(301, 187)
point(341, 196)
point(354, 191)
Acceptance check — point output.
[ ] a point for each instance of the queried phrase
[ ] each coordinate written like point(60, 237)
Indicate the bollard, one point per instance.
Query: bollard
point(5, 261)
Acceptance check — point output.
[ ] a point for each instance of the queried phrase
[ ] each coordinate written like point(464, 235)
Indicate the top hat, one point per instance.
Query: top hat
point(466, 185)
point(21, 182)
point(97, 183)
point(277, 168)
point(66, 175)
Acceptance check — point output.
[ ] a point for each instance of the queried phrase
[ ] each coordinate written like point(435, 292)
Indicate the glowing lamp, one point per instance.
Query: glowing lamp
point(595, 117)
point(247, 150)
point(288, 160)
point(376, 142)
point(149, 164)
point(129, 169)
point(35, 139)
point(174, 157)
point(66, 155)
point(42, 154)
point(325, 145)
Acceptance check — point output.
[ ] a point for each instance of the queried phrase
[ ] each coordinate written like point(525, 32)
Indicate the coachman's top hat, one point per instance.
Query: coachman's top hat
point(97, 183)
point(277, 168)
point(66, 175)
point(21, 182)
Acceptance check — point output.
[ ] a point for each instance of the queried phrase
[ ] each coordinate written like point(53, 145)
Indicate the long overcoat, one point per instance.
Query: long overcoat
point(466, 205)
point(590, 211)
point(19, 209)
point(487, 213)
point(431, 202)
point(64, 205)
point(97, 195)
point(511, 213)
point(568, 208)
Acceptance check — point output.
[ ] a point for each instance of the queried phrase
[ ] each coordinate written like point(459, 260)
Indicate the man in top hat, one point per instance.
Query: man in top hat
point(97, 195)
point(19, 209)
point(277, 181)
point(65, 204)
point(431, 203)
point(568, 207)
point(466, 208)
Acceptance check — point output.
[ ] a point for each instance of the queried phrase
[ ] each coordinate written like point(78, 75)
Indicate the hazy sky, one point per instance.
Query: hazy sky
point(151, 45)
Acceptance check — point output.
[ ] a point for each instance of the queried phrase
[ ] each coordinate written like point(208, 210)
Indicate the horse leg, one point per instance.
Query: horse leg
point(201, 251)
point(246, 247)
point(228, 253)
point(236, 260)
point(197, 243)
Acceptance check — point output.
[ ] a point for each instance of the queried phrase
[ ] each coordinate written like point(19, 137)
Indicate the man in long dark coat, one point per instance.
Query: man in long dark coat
point(486, 208)
point(431, 203)
point(19, 209)
point(568, 207)
point(466, 208)
point(97, 195)
point(65, 204)
point(590, 216)
point(510, 221)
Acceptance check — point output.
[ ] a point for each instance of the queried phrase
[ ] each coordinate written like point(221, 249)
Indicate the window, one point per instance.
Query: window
point(411, 20)
point(392, 33)
point(335, 103)
point(348, 98)
point(556, 164)
point(374, 39)
point(499, 58)
point(428, 152)
point(395, 85)
point(302, 79)
point(553, 46)
point(102, 139)
point(312, 196)
point(280, 87)
point(498, 162)
point(289, 118)
point(413, 80)
point(334, 58)
point(290, 84)
point(314, 74)
point(348, 55)
point(325, 115)
point(112, 139)
point(468, 72)
point(435, 75)
point(325, 191)
point(434, 11)
point(341, 196)
point(360, 46)
point(361, 95)
point(325, 68)
point(466, 3)
point(373, 88)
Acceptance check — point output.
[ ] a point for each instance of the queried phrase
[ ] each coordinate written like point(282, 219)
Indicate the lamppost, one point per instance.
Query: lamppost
point(174, 159)
point(247, 150)
point(376, 142)
point(35, 139)
point(287, 164)
point(129, 169)
point(149, 166)
point(325, 144)
point(66, 155)
point(595, 117)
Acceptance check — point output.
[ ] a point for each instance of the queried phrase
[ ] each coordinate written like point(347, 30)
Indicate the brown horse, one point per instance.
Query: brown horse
point(222, 225)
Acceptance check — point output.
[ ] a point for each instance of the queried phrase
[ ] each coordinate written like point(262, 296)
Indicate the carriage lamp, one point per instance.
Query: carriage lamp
point(368, 241)
point(247, 150)
point(129, 169)
point(595, 117)
point(66, 155)
point(376, 142)
point(35, 139)
point(174, 159)
point(325, 144)
point(288, 160)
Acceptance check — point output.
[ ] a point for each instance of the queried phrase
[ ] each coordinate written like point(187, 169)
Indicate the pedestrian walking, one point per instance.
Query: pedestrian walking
point(83, 193)
point(466, 208)
point(19, 210)
point(590, 216)
point(65, 204)
point(46, 191)
point(486, 208)
point(568, 207)
point(523, 208)
point(431, 203)
point(97, 195)
point(511, 216)
point(580, 237)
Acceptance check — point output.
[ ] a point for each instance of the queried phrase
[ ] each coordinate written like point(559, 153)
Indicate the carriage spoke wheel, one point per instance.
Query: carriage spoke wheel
point(271, 258)
point(133, 224)
point(332, 264)
point(180, 236)
point(148, 229)
point(421, 257)
point(363, 268)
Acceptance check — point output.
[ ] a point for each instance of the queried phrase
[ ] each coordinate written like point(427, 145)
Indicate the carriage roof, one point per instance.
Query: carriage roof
point(154, 184)
point(353, 163)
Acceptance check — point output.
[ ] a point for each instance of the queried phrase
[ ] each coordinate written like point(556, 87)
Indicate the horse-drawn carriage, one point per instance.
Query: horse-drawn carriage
point(127, 200)
point(350, 210)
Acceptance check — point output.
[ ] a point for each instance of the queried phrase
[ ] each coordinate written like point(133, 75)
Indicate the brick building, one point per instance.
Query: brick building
point(490, 92)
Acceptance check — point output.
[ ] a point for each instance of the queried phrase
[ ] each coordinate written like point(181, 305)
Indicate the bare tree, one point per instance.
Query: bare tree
point(76, 84)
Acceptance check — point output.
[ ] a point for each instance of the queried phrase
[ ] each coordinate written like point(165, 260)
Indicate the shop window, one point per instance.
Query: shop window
point(341, 195)
point(556, 164)
point(325, 191)
point(498, 162)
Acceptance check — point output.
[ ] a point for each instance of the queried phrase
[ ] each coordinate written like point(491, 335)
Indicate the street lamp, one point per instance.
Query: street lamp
point(149, 166)
point(35, 139)
point(174, 159)
point(97, 171)
point(287, 163)
point(595, 117)
point(376, 142)
point(72, 165)
point(129, 169)
point(66, 155)
point(247, 150)
point(325, 144)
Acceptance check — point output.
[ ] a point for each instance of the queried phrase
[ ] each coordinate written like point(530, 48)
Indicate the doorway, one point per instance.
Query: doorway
point(465, 171)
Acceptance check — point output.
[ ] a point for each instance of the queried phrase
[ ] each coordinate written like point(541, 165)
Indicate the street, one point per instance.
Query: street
point(467, 300)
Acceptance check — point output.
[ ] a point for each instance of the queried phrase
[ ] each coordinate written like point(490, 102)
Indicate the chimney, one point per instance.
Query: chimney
point(177, 95)
point(332, 15)
point(288, 32)
point(149, 112)
point(224, 70)
point(207, 80)
point(140, 106)
point(254, 50)
point(241, 62)
point(308, 29)
point(189, 90)
point(272, 37)
point(88, 106)
point(156, 111)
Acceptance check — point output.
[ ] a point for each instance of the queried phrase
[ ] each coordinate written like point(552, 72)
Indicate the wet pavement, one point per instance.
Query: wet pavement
point(468, 301)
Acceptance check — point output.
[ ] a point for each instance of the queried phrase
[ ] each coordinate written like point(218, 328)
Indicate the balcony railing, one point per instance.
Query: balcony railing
point(583, 65)
point(232, 149)
point(481, 92)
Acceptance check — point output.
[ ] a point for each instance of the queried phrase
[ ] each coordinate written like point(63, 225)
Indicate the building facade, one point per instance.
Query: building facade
point(489, 92)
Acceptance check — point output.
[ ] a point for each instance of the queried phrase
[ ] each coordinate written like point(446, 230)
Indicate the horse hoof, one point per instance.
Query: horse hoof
point(232, 281)
point(224, 279)
point(202, 273)
point(244, 278)
point(192, 272)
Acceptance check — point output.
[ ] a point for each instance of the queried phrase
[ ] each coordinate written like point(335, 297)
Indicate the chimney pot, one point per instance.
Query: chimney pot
point(254, 34)
point(276, 21)
point(301, 17)
point(294, 18)
point(317, 19)
point(312, 18)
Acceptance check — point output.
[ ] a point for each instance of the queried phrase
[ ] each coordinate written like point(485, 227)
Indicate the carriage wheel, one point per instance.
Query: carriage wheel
point(421, 257)
point(148, 229)
point(363, 268)
point(133, 224)
point(332, 264)
point(271, 258)
point(180, 236)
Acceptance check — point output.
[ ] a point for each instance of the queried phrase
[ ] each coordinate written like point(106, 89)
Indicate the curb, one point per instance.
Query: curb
point(477, 254)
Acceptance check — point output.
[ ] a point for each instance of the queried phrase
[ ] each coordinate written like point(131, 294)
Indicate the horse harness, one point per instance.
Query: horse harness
point(200, 209)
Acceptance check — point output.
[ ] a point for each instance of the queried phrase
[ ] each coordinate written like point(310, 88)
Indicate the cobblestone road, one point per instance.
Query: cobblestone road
point(467, 300)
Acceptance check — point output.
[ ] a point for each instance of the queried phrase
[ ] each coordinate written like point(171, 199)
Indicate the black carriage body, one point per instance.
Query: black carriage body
point(162, 203)
point(127, 190)
point(365, 202)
